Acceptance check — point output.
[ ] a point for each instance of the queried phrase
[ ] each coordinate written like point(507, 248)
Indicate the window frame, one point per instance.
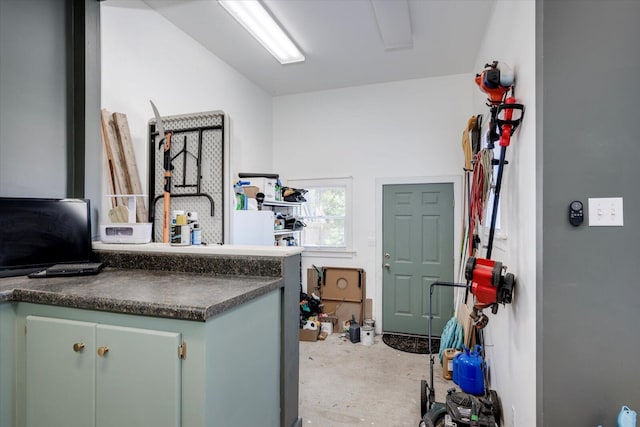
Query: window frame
point(342, 182)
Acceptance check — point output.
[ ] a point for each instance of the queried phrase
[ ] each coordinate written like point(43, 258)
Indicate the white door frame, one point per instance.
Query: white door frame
point(456, 180)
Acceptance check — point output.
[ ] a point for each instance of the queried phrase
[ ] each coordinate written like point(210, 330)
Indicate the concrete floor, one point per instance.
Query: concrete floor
point(346, 384)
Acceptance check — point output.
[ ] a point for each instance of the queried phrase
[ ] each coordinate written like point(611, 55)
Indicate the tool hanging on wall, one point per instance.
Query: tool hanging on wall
point(471, 147)
point(476, 135)
point(168, 167)
point(487, 279)
point(490, 285)
point(496, 80)
point(480, 188)
point(468, 153)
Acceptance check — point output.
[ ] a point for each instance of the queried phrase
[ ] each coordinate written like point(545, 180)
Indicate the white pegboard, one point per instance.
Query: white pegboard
point(185, 153)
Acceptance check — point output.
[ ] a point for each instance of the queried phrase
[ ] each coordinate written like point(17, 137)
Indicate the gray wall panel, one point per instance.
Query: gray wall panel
point(590, 305)
point(93, 143)
point(33, 98)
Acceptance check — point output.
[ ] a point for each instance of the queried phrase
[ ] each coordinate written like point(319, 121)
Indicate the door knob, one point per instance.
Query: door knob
point(387, 266)
point(77, 347)
point(102, 351)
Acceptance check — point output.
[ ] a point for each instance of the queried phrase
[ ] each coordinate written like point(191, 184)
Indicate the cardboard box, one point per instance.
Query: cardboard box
point(343, 284)
point(309, 334)
point(266, 186)
point(251, 191)
point(343, 310)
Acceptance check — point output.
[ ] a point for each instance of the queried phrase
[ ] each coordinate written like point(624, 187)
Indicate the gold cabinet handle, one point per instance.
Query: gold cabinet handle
point(78, 347)
point(102, 351)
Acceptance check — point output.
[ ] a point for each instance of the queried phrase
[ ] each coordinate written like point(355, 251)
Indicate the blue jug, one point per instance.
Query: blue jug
point(468, 371)
point(627, 417)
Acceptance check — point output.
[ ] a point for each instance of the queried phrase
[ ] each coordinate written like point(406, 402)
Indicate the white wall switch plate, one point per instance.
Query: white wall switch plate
point(606, 212)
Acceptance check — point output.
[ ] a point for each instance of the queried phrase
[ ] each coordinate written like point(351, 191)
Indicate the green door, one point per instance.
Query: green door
point(138, 378)
point(60, 373)
point(417, 250)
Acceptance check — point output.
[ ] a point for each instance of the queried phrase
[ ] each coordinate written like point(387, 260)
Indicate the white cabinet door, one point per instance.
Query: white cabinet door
point(60, 383)
point(138, 378)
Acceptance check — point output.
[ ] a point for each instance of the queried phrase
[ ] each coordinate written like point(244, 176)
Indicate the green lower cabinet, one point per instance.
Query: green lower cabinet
point(138, 379)
point(88, 374)
point(84, 368)
point(60, 372)
point(7, 364)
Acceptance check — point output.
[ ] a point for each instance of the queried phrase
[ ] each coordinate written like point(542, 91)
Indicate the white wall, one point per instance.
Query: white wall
point(145, 57)
point(391, 132)
point(510, 335)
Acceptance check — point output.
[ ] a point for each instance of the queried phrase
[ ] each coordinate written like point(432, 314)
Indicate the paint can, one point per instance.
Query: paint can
point(180, 230)
point(367, 333)
point(326, 327)
point(370, 322)
point(180, 235)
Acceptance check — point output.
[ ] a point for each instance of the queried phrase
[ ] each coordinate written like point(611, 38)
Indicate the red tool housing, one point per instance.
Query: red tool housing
point(488, 284)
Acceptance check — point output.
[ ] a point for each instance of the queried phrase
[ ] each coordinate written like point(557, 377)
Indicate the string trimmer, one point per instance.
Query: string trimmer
point(506, 116)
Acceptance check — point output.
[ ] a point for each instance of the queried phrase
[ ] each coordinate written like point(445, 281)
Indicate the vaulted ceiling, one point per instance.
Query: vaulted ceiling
point(341, 40)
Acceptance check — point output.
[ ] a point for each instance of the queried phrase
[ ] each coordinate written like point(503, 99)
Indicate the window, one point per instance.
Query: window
point(326, 213)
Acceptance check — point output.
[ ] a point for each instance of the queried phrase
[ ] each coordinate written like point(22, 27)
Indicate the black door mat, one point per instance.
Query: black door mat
point(409, 344)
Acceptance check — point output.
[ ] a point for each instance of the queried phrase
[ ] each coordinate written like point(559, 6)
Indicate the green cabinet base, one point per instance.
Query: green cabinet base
point(230, 376)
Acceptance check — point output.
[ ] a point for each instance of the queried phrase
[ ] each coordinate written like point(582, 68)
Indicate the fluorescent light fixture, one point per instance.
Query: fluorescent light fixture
point(257, 21)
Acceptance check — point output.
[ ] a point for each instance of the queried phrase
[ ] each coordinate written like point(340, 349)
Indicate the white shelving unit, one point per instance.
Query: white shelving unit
point(288, 208)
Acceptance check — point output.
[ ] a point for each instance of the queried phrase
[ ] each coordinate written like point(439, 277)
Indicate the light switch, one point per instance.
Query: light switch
point(606, 212)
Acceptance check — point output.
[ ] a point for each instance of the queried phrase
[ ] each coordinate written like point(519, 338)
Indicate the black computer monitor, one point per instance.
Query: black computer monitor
point(37, 233)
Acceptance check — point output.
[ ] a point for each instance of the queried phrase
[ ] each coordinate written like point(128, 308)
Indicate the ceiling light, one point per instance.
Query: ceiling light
point(257, 21)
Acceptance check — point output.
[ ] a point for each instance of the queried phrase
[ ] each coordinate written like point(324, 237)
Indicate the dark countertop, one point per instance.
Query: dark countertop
point(176, 295)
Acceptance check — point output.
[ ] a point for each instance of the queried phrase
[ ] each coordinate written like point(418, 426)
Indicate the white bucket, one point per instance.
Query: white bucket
point(326, 327)
point(367, 333)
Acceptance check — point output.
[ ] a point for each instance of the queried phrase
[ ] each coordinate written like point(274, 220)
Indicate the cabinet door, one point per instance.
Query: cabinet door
point(60, 379)
point(138, 378)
